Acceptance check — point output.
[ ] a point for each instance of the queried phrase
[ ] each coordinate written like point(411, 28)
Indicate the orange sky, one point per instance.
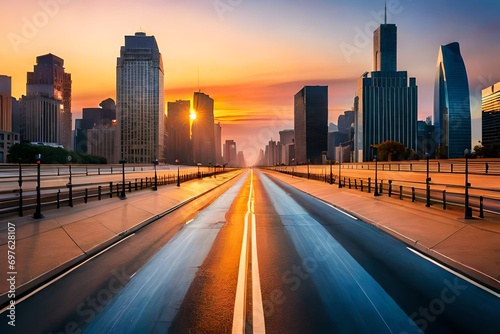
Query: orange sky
point(251, 58)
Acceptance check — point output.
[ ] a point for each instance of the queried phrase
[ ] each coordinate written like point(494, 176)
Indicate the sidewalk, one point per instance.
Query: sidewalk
point(471, 246)
point(67, 236)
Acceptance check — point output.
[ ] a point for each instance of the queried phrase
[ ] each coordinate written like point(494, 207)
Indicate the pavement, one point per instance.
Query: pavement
point(67, 236)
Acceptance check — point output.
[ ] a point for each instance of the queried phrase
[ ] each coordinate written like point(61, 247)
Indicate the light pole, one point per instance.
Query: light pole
point(331, 173)
point(20, 181)
point(308, 175)
point(468, 210)
point(178, 174)
point(376, 193)
point(38, 209)
point(199, 164)
point(122, 193)
point(155, 187)
point(340, 163)
point(427, 183)
point(70, 184)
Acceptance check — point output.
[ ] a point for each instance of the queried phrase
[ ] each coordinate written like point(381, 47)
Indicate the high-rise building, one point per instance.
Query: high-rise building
point(5, 103)
point(101, 141)
point(491, 116)
point(218, 143)
point(385, 105)
point(452, 119)
point(179, 132)
point(46, 110)
point(140, 100)
point(311, 124)
point(203, 130)
point(230, 153)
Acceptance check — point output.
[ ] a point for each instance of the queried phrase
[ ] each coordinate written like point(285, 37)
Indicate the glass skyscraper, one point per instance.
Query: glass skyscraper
point(452, 119)
point(491, 116)
point(140, 100)
point(311, 124)
point(386, 101)
point(203, 130)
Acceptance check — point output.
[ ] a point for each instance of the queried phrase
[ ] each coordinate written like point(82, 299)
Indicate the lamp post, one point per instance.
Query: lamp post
point(308, 175)
point(122, 193)
point(38, 208)
point(20, 181)
point(340, 163)
point(331, 173)
point(468, 210)
point(199, 164)
point(70, 183)
point(155, 187)
point(178, 174)
point(376, 193)
point(427, 183)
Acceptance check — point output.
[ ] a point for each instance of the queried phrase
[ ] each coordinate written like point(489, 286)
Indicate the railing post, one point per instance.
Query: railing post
point(58, 198)
point(444, 199)
point(481, 212)
point(401, 192)
point(141, 183)
point(349, 183)
point(390, 188)
point(361, 181)
point(98, 171)
point(110, 189)
point(129, 186)
point(451, 168)
point(99, 193)
point(86, 170)
point(413, 194)
point(135, 186)
point(85, 199)
point(439, 167)
point(381, 184)
point(356, 184)
point(370, 185)
point(117, 189)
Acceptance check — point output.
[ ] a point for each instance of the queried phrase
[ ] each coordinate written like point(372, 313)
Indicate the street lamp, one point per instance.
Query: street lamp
point(468, 209)
point(155, 187)
point(340, 163)
point(20, 181)
point(70, 184)
point(376, 193)
point(122, 193)
point(38, 208)
point(308, 175)
point(427, 183)
point(331, 173)
point(199, 164)
point(178, 174)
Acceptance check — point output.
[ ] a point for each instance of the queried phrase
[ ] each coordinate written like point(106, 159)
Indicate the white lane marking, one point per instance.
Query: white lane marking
point(239, 315)
point(345, 213)
point(189, 221)
point(258, 325)
point(66, 273)
point(465, 278)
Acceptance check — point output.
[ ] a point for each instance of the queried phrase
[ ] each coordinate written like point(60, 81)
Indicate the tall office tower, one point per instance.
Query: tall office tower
point(385, 105)
point(345, 121)
point(311, 124)
point(140, 100)
point(452, 120)
point(491, 116)
point(179, 132)
point(218, 143)
point(46, 110)
point(203, 130)
point(230, 152)
point(5, 103)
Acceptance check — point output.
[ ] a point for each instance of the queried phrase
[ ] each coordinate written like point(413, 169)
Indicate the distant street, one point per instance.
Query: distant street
point(263, 257)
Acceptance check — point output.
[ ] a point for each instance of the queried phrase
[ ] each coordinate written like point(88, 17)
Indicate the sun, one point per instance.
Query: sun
point(192, 115)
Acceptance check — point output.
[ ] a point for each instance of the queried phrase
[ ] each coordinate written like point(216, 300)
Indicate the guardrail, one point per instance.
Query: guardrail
point(411, 190)
point(22, 201)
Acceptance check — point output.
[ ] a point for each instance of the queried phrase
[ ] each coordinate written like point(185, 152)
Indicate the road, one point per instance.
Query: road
point(262, 257)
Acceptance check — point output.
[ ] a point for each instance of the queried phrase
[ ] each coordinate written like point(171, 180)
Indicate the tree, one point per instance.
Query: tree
point(390, 150)
point(25, 153)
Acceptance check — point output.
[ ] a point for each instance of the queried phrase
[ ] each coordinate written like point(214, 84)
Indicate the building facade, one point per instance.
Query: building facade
point(491, 116)
point(45, 111)
point(179, 132)
point(140, 100)
point(218, 144)
point(311, 124)
point(230, 157)
point(203, 130)
point(452, 118)
point(5, 103)
point(386, 101)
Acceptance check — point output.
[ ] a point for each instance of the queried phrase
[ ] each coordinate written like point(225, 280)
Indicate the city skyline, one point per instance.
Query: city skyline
point(249, 56)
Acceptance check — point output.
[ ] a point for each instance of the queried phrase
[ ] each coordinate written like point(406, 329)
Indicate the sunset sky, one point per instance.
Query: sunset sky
point(251, 56)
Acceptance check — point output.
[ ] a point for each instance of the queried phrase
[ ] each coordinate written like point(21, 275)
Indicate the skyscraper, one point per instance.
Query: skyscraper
point(46, 110)
point(310, 124)
point(491, 116)
point(452, 118)
point(230, 152)
point(5, 103)
point(203, 130)
point(385, 105)
point(218, 143)
point(179, 132)
point(140, 100)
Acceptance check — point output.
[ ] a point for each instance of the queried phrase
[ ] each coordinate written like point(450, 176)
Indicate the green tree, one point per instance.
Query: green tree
point(390, 150)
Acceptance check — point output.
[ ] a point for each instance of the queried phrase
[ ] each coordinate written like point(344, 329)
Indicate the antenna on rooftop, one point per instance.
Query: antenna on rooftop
point(385, 13)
